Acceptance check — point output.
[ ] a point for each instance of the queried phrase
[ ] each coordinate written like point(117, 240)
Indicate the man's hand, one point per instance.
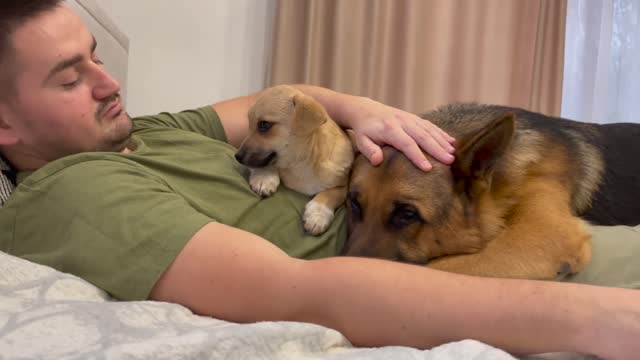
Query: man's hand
point(375, 124)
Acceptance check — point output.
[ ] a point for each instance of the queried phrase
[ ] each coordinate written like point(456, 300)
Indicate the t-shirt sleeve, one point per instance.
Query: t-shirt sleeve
point(108, 222)
point(204, 121)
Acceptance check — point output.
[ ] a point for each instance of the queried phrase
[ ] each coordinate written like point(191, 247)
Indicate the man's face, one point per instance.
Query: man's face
point(65, 102)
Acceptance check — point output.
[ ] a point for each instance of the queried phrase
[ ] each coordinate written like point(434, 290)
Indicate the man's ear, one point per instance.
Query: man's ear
point(308, 114)
point(477, 156)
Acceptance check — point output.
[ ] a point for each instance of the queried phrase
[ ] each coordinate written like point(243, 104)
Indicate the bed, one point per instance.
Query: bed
point(46, 314)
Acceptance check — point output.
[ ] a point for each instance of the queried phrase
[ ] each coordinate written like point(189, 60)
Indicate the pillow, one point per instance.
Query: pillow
point(616, 250)
point(6, 185)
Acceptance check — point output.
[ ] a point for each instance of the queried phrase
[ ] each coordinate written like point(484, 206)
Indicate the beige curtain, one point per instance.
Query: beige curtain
point(418, 54)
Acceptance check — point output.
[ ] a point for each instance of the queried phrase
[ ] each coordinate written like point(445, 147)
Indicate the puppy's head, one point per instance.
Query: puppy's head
point(399, 212)
point(280, 115)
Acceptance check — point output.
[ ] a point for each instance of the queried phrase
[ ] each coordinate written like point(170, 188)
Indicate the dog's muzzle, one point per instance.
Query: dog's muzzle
point(255, 159)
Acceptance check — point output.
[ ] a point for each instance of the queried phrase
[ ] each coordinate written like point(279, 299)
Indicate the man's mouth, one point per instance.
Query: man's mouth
point(111, 107)
point(114, 109)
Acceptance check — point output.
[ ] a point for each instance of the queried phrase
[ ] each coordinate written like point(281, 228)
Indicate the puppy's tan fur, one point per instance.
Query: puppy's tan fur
point(303, 147)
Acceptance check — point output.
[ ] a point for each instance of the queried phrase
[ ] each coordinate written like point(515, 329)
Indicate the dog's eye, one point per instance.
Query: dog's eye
point(354, 206)
point(264, 126)
point(404, 215)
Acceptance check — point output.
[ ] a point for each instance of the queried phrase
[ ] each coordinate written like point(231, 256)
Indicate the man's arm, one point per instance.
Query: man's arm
point(234, 117)
point(230, 274)
point(374, 124)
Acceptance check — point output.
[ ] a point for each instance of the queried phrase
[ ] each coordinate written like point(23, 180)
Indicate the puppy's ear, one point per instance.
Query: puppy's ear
point(352, 139)
point(477, 156)
point(308, 114)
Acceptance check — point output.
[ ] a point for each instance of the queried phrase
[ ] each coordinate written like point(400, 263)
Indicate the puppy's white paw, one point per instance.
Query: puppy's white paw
point(263, 182)
point(316, 218)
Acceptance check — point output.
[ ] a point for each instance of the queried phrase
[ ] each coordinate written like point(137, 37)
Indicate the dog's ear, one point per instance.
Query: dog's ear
point(477, 156)
point(308, 114)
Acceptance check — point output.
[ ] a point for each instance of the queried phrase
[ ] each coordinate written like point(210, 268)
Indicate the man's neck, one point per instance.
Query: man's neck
point(21, 162)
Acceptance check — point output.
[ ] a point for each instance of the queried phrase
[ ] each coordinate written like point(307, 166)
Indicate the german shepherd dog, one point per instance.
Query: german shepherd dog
point(514, 202)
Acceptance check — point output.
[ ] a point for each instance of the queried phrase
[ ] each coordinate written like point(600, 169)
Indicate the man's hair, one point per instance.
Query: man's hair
point(13, 14)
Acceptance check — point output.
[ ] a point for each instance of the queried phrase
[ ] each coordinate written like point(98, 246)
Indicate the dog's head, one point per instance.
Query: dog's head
point(399, 212)
point(281, 115)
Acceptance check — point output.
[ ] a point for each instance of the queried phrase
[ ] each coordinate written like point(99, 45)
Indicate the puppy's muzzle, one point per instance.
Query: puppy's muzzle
point(255, 159)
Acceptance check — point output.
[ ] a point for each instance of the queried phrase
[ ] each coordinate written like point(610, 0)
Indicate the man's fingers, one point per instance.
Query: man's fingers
point(439, 137)
point(431, 141)
point(409, 134)
point(405, 143)
point(369, 149)
point(435, 149)
point(448, 138)
point(444, 139)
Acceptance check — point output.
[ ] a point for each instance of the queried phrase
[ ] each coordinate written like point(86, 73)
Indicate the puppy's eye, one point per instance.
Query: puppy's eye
point(264, 126)
point(354, 206)
point(404, 215)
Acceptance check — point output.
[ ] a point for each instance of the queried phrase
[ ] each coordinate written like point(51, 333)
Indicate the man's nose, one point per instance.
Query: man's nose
point(106, 85)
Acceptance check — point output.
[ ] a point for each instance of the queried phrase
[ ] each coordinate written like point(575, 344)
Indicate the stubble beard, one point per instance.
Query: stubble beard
point(118, 136)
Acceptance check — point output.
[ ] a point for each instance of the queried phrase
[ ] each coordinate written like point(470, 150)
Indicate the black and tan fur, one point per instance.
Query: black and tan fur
point(513, 202)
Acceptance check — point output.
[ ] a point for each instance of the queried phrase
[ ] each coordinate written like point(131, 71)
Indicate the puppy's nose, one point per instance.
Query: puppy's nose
point(240, 156)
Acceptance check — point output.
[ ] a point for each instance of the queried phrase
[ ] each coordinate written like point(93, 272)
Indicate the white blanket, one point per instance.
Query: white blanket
point(46, 314)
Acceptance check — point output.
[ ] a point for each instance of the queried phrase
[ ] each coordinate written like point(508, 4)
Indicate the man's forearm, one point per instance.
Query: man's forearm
point(338, 105)
point(379, 303)
point(233, 112)
point(234, 275)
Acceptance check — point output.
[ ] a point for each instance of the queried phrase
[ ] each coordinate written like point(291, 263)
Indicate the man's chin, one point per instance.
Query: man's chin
point(121, 146)
point(120, 135)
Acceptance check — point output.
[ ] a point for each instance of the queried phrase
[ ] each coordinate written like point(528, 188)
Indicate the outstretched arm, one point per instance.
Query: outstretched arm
point(230, 274)
point(374, 125)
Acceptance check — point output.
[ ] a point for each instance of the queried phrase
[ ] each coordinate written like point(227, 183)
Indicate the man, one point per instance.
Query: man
point(164, 213)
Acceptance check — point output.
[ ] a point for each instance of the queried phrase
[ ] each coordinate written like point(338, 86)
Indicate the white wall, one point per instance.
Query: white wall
point(190, 53)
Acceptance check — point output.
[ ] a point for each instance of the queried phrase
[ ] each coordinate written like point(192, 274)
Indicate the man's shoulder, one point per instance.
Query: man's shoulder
point(202, 120)
point(83, 178)
point(64, 187)
point(83, 167)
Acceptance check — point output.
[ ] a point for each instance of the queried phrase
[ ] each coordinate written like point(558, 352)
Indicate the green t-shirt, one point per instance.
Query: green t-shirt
point(118, 220)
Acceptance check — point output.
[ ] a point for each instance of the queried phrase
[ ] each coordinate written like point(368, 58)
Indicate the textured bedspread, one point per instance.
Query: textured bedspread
point(46, 314)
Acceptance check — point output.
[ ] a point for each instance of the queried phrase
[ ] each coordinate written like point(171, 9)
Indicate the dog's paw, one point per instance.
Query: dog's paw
point(264, 183)
point(316, 218)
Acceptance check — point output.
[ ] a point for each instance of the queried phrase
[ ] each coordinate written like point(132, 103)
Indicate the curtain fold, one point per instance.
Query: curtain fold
point(418, 54)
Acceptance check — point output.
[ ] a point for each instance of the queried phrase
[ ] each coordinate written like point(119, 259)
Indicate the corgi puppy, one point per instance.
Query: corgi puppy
point(293, 140)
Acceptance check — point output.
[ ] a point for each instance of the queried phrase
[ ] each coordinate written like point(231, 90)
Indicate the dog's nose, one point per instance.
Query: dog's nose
point(239, 156)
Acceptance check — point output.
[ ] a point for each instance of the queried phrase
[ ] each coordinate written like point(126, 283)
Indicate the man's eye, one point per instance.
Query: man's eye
point(264, 126)
point(98, 61)
point(71, 84)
